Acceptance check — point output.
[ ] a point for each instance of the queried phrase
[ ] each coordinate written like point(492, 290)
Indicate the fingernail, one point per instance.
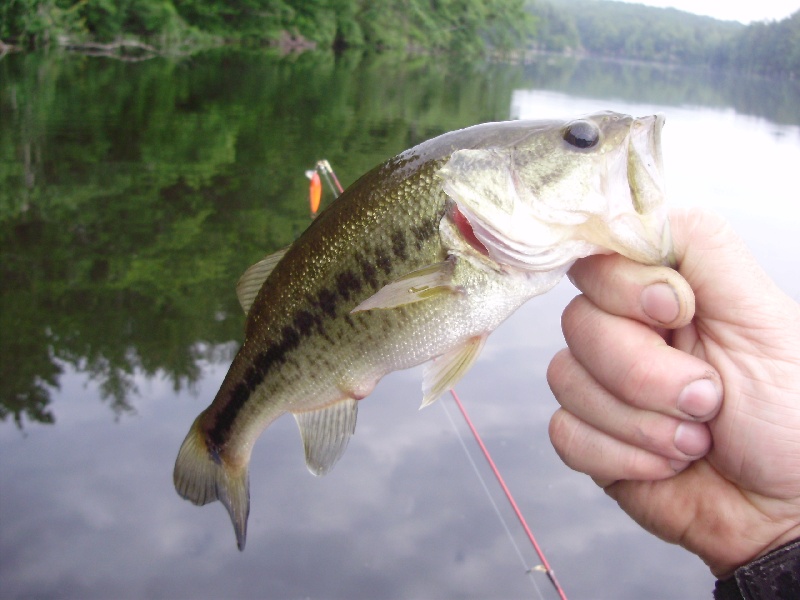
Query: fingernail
point(571, 278)
point(660, 302)
point(678, 465)
point(699, 399)
point(692, 439)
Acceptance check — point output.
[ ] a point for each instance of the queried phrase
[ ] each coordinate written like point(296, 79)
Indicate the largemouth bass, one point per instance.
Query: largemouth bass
point(419, 261)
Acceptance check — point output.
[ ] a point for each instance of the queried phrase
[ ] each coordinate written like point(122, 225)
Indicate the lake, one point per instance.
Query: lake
point(133, 196)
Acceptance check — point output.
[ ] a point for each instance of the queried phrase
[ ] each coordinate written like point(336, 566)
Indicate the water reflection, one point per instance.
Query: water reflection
point(136, 198)
point(134, 195)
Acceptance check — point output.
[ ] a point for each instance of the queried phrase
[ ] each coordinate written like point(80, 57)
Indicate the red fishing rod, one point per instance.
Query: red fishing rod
point(547, 569)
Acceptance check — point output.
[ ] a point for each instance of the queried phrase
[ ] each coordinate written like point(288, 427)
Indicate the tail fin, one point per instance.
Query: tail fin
point(201, 476)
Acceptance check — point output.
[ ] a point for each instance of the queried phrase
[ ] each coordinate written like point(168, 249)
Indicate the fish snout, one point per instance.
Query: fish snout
point(647, 187)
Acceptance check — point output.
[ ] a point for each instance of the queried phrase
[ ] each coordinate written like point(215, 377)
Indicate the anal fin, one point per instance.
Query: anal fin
point(326, 432)
point(443, 372)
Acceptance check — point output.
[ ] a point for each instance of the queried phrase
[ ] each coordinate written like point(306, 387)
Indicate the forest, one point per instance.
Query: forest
point(468, 28)
point(464, 26)
point(637, 32)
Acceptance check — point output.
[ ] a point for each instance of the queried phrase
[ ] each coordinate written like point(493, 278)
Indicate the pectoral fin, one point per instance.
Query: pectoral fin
point(422, 284)
point(443, 372)
point(253, 278)
point(325, 433)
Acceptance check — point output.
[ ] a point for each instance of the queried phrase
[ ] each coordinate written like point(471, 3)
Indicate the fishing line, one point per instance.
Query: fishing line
point(528, 570)
point(324, 167)
point(328, 180)
point(328, 168)
point(550, 574)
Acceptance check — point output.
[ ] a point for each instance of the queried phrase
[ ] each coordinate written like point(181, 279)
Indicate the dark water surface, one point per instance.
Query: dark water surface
point(133, 195)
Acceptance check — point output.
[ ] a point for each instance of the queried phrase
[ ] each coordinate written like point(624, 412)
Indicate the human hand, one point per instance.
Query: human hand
point(680, 394)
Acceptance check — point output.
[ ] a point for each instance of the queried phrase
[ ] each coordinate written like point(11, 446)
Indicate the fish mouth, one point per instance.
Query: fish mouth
point(646, 163)
point(624, 210)
point(647, 188)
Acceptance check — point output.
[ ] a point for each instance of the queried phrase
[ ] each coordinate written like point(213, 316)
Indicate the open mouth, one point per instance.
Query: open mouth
point(625, 213)
point(645, 164)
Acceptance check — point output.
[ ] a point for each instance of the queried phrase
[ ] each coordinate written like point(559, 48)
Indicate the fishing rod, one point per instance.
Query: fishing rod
point(324, 168)
point(507, 491)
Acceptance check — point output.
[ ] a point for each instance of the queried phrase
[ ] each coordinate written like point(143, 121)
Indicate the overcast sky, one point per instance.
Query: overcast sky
point(733, 10)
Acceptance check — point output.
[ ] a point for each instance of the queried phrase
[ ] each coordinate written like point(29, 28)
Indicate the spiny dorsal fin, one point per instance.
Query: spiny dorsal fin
point(421, 284)
point(443, 372)
point(253, 278)
point(325, 433)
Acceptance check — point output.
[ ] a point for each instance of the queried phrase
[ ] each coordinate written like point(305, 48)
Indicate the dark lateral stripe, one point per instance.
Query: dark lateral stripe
point(383, 260)
point(326, 300)
point(399, 245)
point(348, 285)
point(304, 324)
point(368, 272)
point(275, 354)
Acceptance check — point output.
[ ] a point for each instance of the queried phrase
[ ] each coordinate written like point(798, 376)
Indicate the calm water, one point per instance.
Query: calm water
point(132, 198)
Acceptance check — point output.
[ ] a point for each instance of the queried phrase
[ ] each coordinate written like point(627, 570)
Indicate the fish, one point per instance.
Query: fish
point(417, 262)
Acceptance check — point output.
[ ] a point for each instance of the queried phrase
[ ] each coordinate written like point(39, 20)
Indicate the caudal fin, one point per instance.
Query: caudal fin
point(201, 477)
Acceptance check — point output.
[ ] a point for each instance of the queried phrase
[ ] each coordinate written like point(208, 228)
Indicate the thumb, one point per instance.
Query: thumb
point(728, 283)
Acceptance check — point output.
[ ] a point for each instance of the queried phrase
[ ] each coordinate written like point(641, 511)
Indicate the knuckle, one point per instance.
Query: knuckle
point(637, 382)
point(564, 433)
point(558, 369)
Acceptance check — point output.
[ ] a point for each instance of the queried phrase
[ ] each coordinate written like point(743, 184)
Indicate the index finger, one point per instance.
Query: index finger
point(653, 295)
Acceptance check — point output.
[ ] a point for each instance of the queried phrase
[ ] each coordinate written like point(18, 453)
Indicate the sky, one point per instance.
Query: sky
point(731, 10)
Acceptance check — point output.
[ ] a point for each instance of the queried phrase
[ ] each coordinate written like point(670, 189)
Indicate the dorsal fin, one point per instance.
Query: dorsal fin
point(253, 278)
point(325, 433)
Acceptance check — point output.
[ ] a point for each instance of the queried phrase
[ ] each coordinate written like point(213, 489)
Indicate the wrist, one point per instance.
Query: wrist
point(774, 575)
point(792, 535)
point(726, 571)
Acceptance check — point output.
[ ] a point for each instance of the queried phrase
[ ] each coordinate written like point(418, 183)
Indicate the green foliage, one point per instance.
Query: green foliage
point(556, 30)
point(460, 26)
point(467, 28)
point(765, 48)
point(635, 31)
point(36, 23)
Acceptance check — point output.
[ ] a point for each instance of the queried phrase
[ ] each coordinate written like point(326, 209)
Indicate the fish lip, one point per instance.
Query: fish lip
point(647, 185)
point(636, 210)
point(646, 163)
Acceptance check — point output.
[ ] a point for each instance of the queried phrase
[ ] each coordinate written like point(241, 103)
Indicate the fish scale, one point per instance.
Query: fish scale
point(417, 262)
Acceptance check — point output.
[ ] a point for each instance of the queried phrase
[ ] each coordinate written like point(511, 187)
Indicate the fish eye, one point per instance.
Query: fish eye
point(582, 134)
